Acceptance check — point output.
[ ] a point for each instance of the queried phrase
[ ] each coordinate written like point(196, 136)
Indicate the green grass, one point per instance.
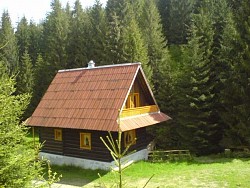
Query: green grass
point(203, 172)
point(214, 172)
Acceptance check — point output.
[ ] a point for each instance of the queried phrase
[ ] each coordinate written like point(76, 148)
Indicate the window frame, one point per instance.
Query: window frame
point(58, 137)
point(82, 137)
point(132, 141)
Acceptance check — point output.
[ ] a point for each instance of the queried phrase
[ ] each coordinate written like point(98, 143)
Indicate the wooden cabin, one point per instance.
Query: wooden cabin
point(82, 105)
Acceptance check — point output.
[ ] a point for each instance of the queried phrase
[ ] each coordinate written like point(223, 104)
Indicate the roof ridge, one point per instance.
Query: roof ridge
point(99, 67)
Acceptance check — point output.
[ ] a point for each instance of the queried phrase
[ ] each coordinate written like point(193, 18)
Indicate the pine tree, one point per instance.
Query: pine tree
point(8, 54)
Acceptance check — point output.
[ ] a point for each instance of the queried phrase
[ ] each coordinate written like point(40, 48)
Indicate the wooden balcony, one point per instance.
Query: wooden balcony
point(139, 110)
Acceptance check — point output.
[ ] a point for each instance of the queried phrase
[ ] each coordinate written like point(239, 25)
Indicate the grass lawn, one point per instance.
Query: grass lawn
point(202, 172)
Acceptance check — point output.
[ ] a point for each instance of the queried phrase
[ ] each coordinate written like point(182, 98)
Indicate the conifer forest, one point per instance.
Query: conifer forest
point(195, 54)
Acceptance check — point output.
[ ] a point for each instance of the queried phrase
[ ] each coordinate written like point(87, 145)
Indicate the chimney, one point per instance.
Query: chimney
point(91, 64)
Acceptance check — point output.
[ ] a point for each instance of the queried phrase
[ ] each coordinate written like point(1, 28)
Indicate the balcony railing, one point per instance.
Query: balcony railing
point(139, 110)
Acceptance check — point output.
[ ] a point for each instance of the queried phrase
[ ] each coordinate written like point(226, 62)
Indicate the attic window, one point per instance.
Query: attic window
point(85, 141)
point(133, 100)
point(58, 134)
point(129, 138)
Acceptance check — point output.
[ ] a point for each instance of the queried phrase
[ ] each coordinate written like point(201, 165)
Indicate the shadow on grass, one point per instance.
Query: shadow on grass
point(76, 176)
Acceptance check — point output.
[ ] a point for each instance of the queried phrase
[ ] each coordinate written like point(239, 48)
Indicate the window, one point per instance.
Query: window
point(58, 134)
point(129, 138)
point(133, 100)
point(85, 141)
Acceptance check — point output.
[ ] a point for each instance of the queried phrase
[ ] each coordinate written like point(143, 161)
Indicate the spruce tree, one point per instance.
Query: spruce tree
point(35, 43)
point(77, 48)
point(25, 76)
point(236, 93)
point(119, 7)
point(56, 30)
point(160, 64)
point(176, 16)
point(134, 47)
point(164, 10)
point(43, 75)
point(245, 66)
point(8, 53)
point(158, 55)
point(97, 34)
point(200, 123)
point(18, 166)
point(125, 41)
point(114, 45)
point(115, 18)
point(23, 36)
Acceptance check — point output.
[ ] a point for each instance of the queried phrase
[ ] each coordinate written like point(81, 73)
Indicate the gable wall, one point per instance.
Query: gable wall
point(140, 87)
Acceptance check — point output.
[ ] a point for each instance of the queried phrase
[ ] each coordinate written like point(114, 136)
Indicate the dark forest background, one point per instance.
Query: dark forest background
point(195, 54)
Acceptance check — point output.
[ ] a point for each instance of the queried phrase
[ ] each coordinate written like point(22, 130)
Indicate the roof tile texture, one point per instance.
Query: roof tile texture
point(88, 99)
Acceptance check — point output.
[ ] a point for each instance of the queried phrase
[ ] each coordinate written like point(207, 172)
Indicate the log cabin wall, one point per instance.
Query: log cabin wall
point(70, 144)
point(50, 145)
point(141, 140)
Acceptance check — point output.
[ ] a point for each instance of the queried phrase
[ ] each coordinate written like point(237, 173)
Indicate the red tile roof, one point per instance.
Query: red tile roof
point(90, 99)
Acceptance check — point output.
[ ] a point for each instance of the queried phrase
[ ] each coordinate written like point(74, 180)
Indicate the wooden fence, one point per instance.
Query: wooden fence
point(169, 155)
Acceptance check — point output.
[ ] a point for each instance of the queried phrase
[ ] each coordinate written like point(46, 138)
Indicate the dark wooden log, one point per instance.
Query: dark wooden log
point(70, 144)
